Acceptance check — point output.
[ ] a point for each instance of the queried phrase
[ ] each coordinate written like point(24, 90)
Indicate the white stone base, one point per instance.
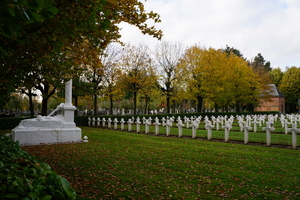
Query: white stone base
point(36, 136)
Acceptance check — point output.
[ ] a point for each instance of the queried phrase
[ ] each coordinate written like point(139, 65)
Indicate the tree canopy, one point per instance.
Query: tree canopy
point(39, 33)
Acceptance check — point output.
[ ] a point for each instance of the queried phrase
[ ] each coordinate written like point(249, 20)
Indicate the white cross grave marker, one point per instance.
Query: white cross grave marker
point(109, 122)
point(209, 127)
point(89, 121)
point(268, 130)
point(194, 128)
point(156, 126)
point(227, 128)
point(246, 128)
point(93, 121)
point(129, 125)
point(147, 124)
point(294, 131)
point(98, 121)
point(286, 123)
point(115, 123)
point(122, 124)
point(180, 125)
point(103, 122)
point(168, 126)
point(138, 123)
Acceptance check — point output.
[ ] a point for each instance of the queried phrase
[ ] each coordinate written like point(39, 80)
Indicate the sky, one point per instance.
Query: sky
point(269, 27)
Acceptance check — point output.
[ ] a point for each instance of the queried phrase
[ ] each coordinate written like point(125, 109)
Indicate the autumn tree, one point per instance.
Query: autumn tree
point(168, 55)
point(136, 64)
point(112, 74)
point(150, 91)
point(221, 77)
point(290, 87)
point(276, 76)
point(38, 30)
point(194, 74)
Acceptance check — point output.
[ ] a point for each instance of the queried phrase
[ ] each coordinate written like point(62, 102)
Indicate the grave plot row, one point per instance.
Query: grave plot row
point(226, 123)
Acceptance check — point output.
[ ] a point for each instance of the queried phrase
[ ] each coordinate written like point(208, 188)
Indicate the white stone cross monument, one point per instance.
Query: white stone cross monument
point(227, 128)
point(98, 121)
point(168, 127)
point(268, 130)
point(246, 128)
point(122, 124)
point(286, 123)
point(129, 124)
point(94, 121)
point(209, 127)
point(103, 122)
point(115, 123)
point(138, 123)
point(194, 129)
point(180, 125)
point(156, 126)
point(109, 122)
point(147, 124)
point(50, 130)
point(294, 131)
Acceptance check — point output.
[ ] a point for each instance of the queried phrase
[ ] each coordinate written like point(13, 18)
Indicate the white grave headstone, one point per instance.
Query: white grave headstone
point(294, 131)
point(268, 130)
point(156, 126)
point(246, 129)
point(209, 127)
point(227, 128)
point(180, 125)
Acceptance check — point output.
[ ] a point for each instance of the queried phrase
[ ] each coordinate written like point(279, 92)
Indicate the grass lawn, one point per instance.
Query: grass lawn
point(122, 165)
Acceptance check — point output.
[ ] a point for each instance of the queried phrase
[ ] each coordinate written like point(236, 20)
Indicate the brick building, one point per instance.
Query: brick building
point(275, 103)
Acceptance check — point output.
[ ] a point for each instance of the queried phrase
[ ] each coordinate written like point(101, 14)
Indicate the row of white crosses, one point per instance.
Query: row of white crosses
point(225, 122)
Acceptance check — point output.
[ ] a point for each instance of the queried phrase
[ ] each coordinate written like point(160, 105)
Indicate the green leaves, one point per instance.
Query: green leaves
point(22, 176)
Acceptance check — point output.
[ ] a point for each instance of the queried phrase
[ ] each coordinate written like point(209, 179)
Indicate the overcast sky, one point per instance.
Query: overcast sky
point(269, 27)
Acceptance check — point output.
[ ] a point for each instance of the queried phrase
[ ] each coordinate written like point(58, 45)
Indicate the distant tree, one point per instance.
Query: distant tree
point(112, 88)
point(260, 64)
point(290, 87)
point(136, 64)
point(168, 55)
point(276, 76)
point(235, 51)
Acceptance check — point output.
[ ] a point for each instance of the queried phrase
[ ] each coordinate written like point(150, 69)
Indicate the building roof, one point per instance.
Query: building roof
point(274, 91)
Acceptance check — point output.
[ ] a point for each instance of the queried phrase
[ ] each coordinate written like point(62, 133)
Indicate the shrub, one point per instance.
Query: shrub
point(22, 176)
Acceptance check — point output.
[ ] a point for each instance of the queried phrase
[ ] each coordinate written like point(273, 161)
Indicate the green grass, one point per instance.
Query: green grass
point(122, 165)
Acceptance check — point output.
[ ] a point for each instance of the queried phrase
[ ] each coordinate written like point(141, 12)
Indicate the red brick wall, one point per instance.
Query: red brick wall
point(275, 104)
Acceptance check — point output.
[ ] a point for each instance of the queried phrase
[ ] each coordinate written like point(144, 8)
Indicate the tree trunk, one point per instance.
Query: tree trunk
point(76, 105)
point(31, 104)
point(237, 106)
point(111, 105)
point(134, 102)
point(216, 107)
point(174, 105)
point(46, 95)
point(200, 102)
point(146, 105)
point(168, 104)
point(44, 106)
point(95, 104)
